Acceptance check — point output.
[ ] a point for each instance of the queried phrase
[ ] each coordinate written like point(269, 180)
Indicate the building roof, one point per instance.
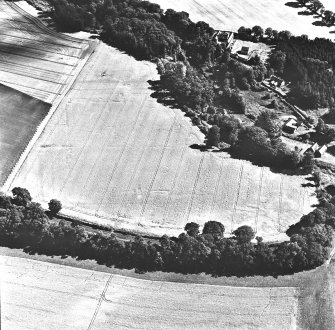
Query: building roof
point(314, 147)
point(291, 121)
point(276, 80)
point(323, 149)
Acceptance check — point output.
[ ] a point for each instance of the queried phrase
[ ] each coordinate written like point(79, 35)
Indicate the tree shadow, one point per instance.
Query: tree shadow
point(161, 95)
point(201, 147)
point(305, 13)
point(310, 178)
point(308, 184)
point(293, 4)
point(319, 23)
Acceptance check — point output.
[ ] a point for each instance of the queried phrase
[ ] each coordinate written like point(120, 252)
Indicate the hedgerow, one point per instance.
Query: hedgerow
point(25, 224)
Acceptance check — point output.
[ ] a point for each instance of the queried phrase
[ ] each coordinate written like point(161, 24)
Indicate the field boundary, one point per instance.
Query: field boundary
point(38, 22)
point(40, 129)
point(5, 259)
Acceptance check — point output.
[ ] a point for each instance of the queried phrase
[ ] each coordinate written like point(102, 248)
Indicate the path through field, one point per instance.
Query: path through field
point(113, 155)
point(37, 295)
point(232, 14)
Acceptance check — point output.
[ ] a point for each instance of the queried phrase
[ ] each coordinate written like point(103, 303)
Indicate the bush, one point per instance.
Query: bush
point(21, 196)
point(55, 206)
point(213, 137)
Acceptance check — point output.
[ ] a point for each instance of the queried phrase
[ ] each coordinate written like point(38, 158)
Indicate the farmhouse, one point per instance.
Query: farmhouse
point(245, 51)
point(312, 149)
point(276, 82)
point(290, 126)
point(225, 38)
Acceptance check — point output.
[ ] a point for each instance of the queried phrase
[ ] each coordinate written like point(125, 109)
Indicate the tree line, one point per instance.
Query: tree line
point(140, 28)
point(25, 224)
point(259, 143)
point(145, 31)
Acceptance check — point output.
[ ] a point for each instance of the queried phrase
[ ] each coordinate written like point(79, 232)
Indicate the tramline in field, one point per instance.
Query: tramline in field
point(232, 14)
point(34, 59)
point(37, 66)
point(73, 298)
point(115, 156)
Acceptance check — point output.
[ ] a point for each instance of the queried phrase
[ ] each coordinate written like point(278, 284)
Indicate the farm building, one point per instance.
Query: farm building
point(290, 126)
point(276, 82)
point(321, 151)
point(245, 51)
point(224, 37)
point(312, 149)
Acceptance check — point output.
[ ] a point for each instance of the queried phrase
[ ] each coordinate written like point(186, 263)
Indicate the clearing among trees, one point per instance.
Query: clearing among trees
point(113, 155)
point(72, 298)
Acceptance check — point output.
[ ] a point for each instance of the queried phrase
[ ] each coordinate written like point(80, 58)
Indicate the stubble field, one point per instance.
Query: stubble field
point(113, 155)
point(37, 65)
point(231, 14)
point(34, 59)
point(37, 295)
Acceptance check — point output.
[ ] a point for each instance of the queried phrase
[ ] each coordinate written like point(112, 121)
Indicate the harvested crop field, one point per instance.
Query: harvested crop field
point(20, 114)
point(115, 156)
point(232, 14)
point(37, 295)
point(34, 59)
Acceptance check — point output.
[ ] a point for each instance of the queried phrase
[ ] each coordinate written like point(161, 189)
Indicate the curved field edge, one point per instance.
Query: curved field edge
point(115, 156)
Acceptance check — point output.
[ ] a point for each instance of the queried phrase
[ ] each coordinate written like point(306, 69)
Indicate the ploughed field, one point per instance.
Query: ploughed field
point(33, 58)
point(232, 14)
point(20, 114)
point(113, 155)
point(37, 295)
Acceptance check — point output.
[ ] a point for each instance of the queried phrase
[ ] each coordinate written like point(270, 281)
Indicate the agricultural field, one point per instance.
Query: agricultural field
point(329, 4)
point(20, 114)
point(37, 295)
point(115, 156)
point(33, 59)
point(232, 14)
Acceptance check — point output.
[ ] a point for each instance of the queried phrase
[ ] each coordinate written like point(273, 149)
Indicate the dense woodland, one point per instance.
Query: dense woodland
point(24, 224)
point(308, 64)
point(143, 30)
